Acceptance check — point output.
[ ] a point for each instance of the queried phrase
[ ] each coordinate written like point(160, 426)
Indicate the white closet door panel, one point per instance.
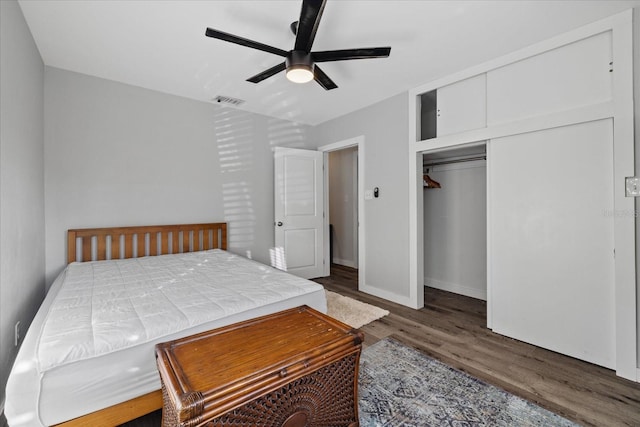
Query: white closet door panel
point(552, 265)
point(462, 106)
point(571, 76)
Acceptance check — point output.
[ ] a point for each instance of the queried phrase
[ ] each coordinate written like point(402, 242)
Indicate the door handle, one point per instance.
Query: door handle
point(279, 224)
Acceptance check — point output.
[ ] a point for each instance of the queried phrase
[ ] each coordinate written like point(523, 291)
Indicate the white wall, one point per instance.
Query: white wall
point(21, 181)
point(384, 127)
point(455, 229)
point(121, 155)
point(343, 205)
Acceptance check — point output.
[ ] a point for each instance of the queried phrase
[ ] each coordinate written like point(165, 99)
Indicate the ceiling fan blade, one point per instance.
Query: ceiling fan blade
point(345, 54)
point(267, 73)
point(310, 15)
point(322, 79)
point(221, 35)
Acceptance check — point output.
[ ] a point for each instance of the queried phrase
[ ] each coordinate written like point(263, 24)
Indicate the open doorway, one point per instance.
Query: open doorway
point(343, 206)
point(348, 205)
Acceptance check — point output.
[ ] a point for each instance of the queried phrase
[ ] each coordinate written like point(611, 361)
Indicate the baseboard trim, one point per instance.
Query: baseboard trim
point(381, 293)
point(456, 288)
point(345, 262)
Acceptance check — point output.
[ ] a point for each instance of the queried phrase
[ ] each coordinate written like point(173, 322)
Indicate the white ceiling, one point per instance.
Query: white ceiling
point(160, 45)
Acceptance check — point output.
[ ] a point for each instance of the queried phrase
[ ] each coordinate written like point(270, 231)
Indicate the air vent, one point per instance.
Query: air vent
point(228, 100)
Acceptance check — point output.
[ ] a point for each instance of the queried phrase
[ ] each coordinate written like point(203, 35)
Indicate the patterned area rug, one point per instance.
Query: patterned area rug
point(400, 386)
point(352, 312)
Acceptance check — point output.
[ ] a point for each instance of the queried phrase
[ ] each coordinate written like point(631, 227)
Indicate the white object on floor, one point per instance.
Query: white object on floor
point(352, 312)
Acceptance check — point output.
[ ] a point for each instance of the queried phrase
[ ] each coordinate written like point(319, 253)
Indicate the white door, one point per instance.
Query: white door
point(552, 280)
point(299, 210)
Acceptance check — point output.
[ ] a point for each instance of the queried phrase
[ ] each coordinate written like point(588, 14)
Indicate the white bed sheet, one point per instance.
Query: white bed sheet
point(91, 344)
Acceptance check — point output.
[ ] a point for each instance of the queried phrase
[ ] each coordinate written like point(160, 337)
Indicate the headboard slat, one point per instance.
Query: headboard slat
point(214, 235)
point(115, 246)
point(185, 241)
point(86, 247)
point(102, 247)
point(175, 243)
point(207, 239)
point(128, 245)
point(141, 245)
point(164, 245)
point(196, 240)
point(153, 244)
point(215, 239)
point(223, 238)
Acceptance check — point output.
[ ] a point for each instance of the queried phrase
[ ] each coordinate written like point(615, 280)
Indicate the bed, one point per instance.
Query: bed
point(88, 357)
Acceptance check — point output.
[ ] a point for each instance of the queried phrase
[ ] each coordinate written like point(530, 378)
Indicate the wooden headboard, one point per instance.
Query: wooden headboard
point(97, 244)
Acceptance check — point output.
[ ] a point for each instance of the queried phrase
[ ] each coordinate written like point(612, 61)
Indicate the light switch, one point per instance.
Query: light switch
point(632, 184)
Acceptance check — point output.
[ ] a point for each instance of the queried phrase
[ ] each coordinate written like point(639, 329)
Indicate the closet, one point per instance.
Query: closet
point(455, 221)
point(541, 229)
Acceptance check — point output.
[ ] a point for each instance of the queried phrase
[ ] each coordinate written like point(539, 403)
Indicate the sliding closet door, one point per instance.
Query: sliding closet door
point(551, 219)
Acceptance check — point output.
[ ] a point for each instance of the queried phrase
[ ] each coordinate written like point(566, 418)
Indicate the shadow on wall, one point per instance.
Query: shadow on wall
point(239, 136)
point(278, 258)
point(282, 133)
point(234, 131)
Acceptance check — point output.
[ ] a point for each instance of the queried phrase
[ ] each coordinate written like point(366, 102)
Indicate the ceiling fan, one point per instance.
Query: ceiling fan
point(300, 62)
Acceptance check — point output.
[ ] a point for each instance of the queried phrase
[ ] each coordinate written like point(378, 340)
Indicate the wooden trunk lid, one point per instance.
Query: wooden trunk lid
point(213, 372)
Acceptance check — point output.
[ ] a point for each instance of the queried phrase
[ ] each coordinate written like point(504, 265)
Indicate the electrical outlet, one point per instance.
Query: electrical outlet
point(17, 334)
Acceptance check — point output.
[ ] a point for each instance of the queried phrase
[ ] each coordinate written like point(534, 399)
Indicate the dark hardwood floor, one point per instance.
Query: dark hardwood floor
point(452, 328)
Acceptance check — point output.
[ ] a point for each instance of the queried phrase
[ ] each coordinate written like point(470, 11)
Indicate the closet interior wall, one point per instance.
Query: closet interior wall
point(455, 222)
point(343, 206)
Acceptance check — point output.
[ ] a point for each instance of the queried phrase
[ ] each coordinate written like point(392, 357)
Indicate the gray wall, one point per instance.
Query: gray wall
point(343, 205)
point(386, 230)
point(21, 181)
point(121, 155)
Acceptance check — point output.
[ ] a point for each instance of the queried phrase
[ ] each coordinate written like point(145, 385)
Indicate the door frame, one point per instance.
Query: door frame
point(358, 142)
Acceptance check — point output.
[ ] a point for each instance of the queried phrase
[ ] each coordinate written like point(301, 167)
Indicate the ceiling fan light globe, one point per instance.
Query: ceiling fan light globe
point(299, 74)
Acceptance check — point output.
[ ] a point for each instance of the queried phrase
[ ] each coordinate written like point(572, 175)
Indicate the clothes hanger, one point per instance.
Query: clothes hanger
point(430, 183)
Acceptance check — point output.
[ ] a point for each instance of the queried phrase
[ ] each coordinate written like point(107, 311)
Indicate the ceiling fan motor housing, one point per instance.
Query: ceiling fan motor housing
point(299, 66)
point(299, 59)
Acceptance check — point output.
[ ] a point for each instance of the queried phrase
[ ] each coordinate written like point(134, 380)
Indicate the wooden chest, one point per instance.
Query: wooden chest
point(294, 368)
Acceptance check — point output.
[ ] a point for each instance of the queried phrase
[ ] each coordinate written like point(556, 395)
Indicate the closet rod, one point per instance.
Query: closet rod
point(447, 162)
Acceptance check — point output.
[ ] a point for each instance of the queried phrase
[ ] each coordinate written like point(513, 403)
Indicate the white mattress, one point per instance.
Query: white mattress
point(91, 344)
